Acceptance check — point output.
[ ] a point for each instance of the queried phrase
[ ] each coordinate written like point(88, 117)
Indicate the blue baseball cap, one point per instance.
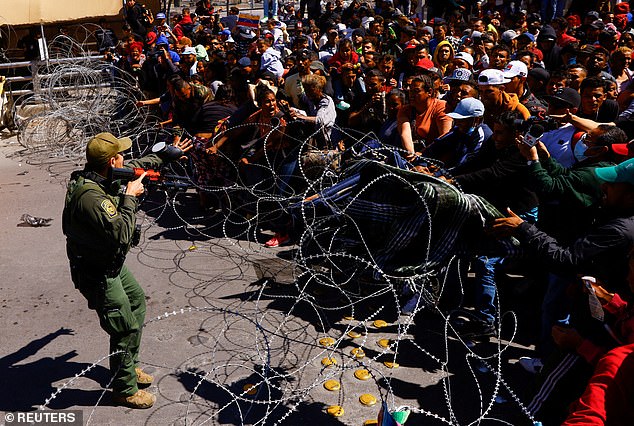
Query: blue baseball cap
point(623, 172)
point(160, 15)
point(467, 108)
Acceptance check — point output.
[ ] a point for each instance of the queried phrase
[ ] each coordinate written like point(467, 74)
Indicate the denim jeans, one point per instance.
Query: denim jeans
point(485, 268)
point(551, 9)
point(272, 11)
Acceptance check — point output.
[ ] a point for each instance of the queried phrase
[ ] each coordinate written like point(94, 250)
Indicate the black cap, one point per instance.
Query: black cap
point(597, 25)
point(539, 74)
point(565, 96)
point(586, 49)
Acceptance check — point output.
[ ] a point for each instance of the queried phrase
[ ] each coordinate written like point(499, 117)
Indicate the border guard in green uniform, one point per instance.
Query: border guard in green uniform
point(99, 223)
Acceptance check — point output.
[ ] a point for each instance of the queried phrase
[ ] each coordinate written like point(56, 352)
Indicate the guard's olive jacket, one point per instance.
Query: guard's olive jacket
point(99, 221)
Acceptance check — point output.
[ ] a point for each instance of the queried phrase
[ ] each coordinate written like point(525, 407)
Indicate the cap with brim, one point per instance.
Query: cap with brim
point(528, 35)
point(586, 49)
point(539, 74)
point(515, 69)
point(425, 64)
point(104, 146)
point(492, 77)
point(509, 35)
point(620, 148)
point(468, 108)
point(623, 172)
point(459, 75)
point(160, 15)
point(465, 57)
point(597, 25)
point(565, 97)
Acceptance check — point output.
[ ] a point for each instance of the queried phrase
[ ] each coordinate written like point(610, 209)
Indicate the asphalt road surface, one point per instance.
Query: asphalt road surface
point(223, 313)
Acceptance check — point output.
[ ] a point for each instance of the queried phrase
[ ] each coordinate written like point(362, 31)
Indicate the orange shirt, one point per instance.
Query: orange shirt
point(431, 123)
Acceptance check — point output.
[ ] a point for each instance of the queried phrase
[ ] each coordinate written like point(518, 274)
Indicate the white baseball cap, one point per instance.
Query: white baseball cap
point(492, 77)
point(465, 57)
point(515, 69)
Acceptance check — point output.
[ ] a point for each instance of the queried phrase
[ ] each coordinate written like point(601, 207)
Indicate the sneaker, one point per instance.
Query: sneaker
point(473, 328)
point(277, 240)
point(532, 365)
point(141, 399)
point(143, 378)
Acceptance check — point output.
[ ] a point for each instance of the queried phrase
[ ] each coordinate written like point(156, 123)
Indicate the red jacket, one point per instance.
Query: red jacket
point(607, 399)
point(623, 327)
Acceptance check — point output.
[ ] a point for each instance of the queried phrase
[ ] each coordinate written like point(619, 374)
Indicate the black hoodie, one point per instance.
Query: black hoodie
point(552, 58)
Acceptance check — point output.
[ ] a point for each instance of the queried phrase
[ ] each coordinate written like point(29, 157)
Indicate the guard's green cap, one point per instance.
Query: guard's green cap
point(623, 172)
point(102, 147)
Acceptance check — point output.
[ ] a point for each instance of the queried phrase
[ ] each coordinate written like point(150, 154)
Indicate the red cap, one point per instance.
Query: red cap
point(620, 148)
point(425, 64)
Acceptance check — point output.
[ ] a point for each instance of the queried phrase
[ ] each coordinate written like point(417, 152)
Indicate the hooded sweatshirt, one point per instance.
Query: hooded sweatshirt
point(443, 67)
point(510, 102)
point(552, 59)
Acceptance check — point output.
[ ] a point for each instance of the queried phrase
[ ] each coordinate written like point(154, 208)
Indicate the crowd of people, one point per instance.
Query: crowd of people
point(528, 104)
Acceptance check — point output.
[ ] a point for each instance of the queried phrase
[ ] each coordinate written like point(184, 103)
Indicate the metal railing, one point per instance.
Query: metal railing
point(35, 67)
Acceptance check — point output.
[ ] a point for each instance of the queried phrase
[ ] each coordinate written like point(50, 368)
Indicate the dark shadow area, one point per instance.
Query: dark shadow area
point(234, 404)
point(26, 386)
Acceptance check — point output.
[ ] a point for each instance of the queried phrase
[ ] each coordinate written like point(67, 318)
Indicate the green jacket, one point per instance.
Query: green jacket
point(99, 221)
point(567, 197)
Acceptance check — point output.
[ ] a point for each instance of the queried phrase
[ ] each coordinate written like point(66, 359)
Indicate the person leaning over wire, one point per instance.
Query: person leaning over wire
point(99, 223)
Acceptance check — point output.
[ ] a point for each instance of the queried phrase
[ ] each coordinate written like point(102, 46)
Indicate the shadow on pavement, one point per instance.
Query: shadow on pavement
point(26, 386)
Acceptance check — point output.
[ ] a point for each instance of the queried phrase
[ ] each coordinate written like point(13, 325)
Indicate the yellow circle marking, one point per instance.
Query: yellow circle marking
point(367, 399)
point(327, 341)
point(362, 374)
point(384, 343)
point(390, 364)
point(332, 385)
point(335, 411)
point(250, 389)
point(357, 353)
point(348, 318)
point(192, 248)
point(371, 423)
point(380, 324)
point(326, 362)
point(354, 334)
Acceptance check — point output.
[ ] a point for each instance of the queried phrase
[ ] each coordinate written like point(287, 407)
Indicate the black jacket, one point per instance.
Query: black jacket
point(602, 252)
point(500, 176)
